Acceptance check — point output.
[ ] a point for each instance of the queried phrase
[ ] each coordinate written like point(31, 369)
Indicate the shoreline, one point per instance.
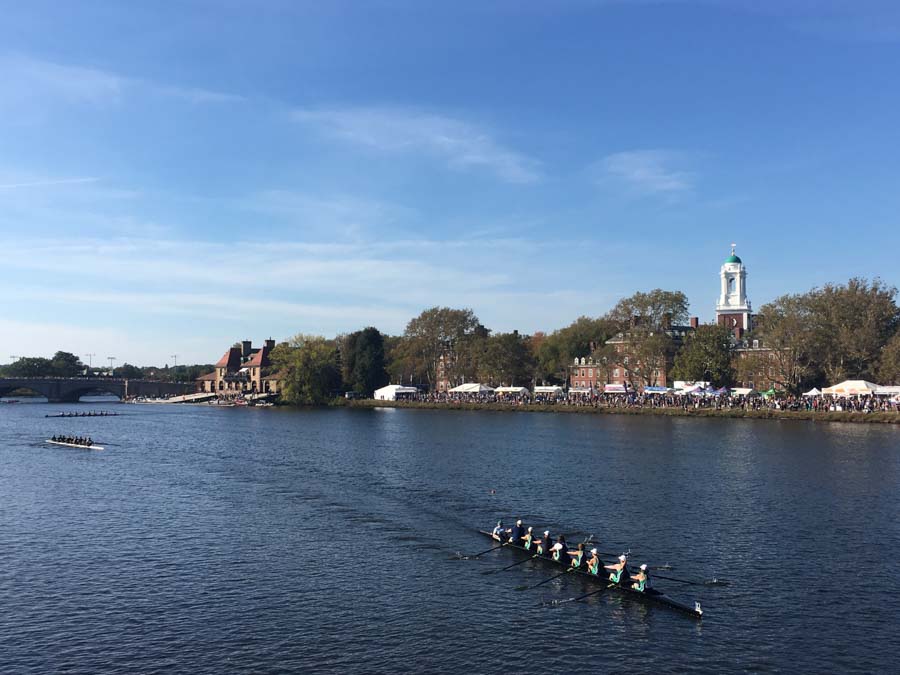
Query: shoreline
point(732, 413)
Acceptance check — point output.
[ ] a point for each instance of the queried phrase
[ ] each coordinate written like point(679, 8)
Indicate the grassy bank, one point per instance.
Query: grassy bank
point(870, 418)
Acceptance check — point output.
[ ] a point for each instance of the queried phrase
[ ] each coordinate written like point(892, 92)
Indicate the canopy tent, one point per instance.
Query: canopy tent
point(615, 389)
point(743, 391)
point(656, 390)
point(548, 390)
point(517, 391)
point(851, 388)
point(580, 390)
point(772, 392)
point(812, 392)
point(721, 391)
point(888, 391)
point(471, 388)
point(390, 392)
point(693, 389)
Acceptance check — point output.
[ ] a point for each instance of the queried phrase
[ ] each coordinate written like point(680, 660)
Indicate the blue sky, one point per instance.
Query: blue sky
point(178, 176)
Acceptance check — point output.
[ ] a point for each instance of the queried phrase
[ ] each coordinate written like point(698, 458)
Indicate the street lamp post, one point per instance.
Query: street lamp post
point(175, 360)
point(111, 368)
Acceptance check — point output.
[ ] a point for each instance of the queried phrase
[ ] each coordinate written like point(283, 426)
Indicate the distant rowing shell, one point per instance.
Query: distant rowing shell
point(76, 445)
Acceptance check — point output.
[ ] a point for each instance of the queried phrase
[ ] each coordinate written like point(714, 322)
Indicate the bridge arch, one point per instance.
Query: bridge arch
point(6, 390)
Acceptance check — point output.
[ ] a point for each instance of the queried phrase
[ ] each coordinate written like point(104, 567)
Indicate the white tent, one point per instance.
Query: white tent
point(743, 391)
point(851, 388)
point(615, 389)
point(548, 390)
point(693, 389)
point(517, 391)
point(580, 390)
point(888, 391)
point(812, 392)
point(389, 393)
point(471, 388)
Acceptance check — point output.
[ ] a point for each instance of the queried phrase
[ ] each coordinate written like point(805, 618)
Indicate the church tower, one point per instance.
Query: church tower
point(733, 309)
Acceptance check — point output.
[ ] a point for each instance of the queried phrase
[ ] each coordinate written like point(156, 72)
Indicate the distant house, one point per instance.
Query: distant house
point(242, 370)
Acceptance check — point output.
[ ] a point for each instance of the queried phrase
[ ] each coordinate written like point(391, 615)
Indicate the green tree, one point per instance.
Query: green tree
point(650, 309)
point(129, 372)
point(558, 350)
point(443, 332)
point(65, 364)
point(309, 365)
point(706, 356)
point(851, 324)
point(889, 362)
point(784, 326)
point(506, 359)
point(362, 361)
point(30, 366)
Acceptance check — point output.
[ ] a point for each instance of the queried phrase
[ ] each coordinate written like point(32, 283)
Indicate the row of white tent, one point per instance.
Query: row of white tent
point(856, 388)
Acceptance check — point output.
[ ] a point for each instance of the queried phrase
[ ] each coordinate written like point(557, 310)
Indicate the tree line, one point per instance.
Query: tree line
point(829, 333)
point(66, 364)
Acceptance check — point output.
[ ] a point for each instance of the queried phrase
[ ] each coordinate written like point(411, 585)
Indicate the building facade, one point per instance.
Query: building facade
point(242, 370)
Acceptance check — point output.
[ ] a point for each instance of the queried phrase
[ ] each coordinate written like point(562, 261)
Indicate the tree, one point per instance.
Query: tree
point(309, 364)
point(362, 361)
point(851, 324)
point(652, 309)
point(644, 346)
point(65, 364)
point(129, 372)
point(783, 326)
point(580, 338)
point(442, 332)
point(706, 356)
point(30, 366)
point(506, 360)
point(889, 362)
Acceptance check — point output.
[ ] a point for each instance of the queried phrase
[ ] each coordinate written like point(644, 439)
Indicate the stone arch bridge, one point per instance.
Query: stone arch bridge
point(70, 389)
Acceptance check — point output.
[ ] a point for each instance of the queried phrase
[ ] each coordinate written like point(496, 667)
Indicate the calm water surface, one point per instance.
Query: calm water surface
point(266, 541)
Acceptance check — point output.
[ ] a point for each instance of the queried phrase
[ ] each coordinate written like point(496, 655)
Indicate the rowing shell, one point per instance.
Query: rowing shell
point(651, 594)
point(76, 445)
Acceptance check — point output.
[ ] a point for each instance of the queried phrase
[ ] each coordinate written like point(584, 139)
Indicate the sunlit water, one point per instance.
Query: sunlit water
point(210, 540)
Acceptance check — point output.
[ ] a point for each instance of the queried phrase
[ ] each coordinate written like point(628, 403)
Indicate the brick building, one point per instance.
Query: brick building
point(242, 370)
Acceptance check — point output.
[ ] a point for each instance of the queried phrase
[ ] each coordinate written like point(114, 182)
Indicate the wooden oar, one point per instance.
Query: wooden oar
point(493, 548)
point(511, 566)
point(709, 582)
point(545, 581)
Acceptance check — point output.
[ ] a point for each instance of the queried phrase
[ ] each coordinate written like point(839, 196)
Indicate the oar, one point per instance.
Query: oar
point(708, 582)
point(511, 566)
point(493, 548)
point(545, 581)
point(581, 597)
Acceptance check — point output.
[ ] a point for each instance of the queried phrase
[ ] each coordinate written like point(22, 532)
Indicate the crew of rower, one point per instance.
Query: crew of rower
point(580, 559)
point(73, 440)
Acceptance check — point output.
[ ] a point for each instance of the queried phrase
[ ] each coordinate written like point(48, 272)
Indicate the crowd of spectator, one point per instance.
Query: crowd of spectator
point(862, 404)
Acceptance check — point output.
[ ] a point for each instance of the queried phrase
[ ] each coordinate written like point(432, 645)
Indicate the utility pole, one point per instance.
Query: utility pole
point(175, 360)
point(90, 358)
point(112, 370)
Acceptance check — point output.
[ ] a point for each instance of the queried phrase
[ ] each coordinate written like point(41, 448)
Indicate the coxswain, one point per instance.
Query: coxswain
point(618, 569)
point(517, 534)
point(641, 579)
point(560, 550)
point(544, 544)
point(593, 563)
point(89, 442)
point(577, 556)
point(498, 530)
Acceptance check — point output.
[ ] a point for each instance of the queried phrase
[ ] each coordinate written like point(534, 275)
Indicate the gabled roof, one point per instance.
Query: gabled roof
point(231, 359)
point(208, 376)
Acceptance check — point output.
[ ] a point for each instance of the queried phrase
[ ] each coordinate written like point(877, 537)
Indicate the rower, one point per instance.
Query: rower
point(577, 556)
point(517, 534)
point(560, 549)
point(528, 539)
point(89, 442)
point(498, 530)
point(544, 543)
point(618, 569)
point(593, 563)
point(641, 579)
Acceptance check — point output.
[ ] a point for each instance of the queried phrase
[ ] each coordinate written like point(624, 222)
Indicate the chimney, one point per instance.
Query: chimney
point(695, 322)
point(246, 345)
point(270, 344)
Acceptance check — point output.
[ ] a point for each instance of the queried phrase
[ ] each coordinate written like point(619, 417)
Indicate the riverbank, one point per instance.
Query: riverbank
point(736, 413)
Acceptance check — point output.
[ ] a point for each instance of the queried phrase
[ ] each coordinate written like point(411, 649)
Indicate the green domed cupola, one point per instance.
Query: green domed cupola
point(733, 258)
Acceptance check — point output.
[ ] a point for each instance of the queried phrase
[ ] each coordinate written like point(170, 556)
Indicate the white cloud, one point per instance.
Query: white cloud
point(26, 79)
point(646, 171)
point(397, 130)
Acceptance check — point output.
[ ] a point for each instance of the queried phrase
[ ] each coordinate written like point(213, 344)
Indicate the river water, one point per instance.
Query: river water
point(208, 540)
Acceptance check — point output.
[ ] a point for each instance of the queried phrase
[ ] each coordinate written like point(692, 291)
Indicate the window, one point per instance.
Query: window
point(615, 372)
point(590, 372)
point(756, 344)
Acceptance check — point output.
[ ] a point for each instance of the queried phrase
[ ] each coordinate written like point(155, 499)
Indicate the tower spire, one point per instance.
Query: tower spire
point(732, 249)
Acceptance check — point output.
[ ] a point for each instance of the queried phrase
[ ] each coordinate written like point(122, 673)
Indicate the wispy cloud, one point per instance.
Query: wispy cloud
point(646, 171)
point(398, 130)
point(27, 78)
point(47, 183)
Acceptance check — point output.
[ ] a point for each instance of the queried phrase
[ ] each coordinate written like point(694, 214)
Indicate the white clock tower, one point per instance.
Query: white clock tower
point(733, 308)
